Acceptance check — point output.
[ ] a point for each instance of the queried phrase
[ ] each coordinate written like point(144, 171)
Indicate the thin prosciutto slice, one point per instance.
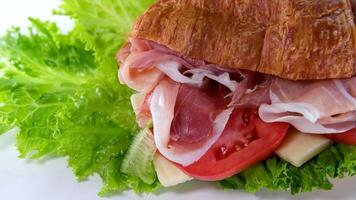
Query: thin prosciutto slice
point(137, 70)
point(144, 65)
point(327, 106)
point(195, 111)
point(162, 109)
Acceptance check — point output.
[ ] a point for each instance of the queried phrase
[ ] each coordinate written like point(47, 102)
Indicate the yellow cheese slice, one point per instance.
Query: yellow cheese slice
point(297, 148)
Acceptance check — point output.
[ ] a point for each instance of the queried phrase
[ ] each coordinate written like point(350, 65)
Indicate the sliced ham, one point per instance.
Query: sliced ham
point(162, 108)
point(137, 70)
point(223, 78)
point(145, 63)
point(326, 106)
point(190, 101)
point(196, 110)
point(140, 60)
point(145, 66)
point(252, 91)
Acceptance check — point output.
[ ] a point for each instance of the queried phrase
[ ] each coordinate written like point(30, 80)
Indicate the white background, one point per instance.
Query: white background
point(52, 180)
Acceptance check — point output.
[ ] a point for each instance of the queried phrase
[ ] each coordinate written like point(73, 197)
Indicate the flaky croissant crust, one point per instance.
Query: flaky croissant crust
point(292, 39)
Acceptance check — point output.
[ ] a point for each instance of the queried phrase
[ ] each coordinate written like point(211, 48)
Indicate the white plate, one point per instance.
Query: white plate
point(24, 179)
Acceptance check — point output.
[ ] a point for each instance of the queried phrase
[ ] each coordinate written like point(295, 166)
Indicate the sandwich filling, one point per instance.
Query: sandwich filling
point(193, 104)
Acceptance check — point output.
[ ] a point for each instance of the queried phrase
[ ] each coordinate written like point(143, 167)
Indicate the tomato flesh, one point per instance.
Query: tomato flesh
point(245, 141)
point(348, 137)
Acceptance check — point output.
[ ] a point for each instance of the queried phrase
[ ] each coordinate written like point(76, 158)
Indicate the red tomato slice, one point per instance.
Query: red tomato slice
point(245, 141)
point(348, 137)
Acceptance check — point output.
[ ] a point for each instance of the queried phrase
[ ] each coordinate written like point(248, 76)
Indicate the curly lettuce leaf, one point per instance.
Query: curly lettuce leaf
point(104, 25)
point(66, 104)
point(276, 174)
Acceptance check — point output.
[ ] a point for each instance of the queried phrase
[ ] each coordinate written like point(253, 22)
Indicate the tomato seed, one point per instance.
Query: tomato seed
point(249, 137)
point(238, 147)
point(246, 117)
point(223, 152)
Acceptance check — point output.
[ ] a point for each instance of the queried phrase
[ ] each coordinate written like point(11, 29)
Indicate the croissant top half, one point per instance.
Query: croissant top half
point(292, 39)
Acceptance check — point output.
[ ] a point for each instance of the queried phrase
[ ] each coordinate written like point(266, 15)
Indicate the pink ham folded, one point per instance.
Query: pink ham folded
point(163, 115)
point(144, 63)
point(190, 101)
point(138, 68)
point(326, 106)
point(182, 132)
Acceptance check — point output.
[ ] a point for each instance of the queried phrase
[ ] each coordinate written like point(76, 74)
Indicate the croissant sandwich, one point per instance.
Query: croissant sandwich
point(223, 85)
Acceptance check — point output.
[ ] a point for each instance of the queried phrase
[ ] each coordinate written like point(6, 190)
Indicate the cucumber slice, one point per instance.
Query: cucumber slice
point(138, 159)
